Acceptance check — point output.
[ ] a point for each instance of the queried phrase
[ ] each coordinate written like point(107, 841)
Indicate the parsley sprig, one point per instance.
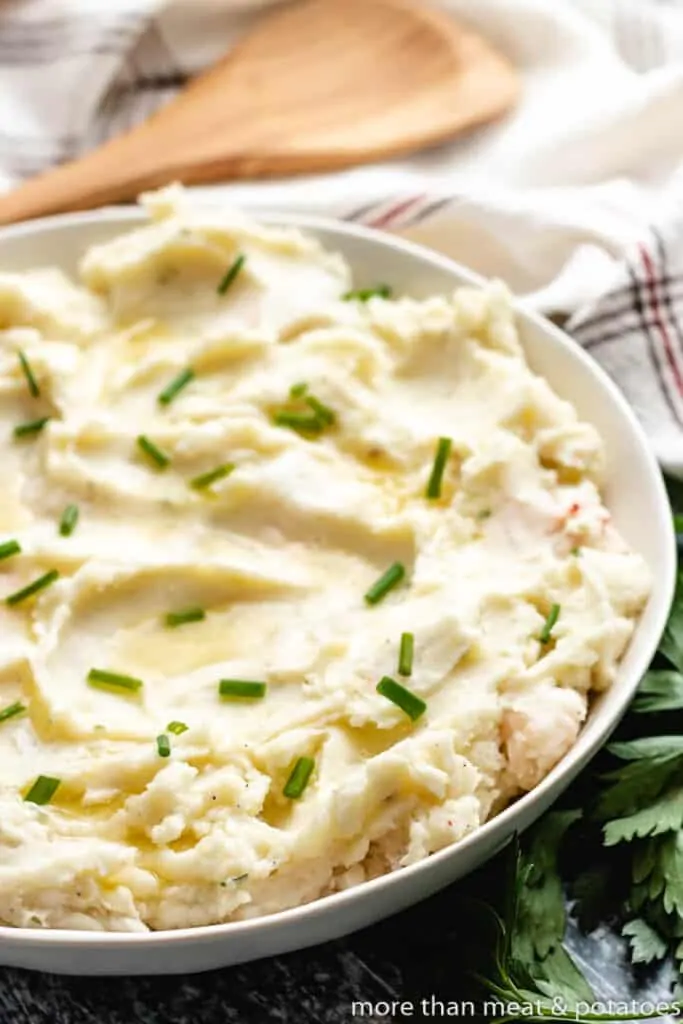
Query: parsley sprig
point(625, 814)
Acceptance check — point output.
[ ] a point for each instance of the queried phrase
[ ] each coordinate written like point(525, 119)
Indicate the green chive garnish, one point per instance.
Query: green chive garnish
point(176, 385)
point(204, 480)
point(177, 728)
point(405, 654)
point(298, 390)
point(298, 778)
point(409, 702)
point(322, 411)
point(101, 679)
point(185, 615)
point(67, 524)
point(575, 551)
point(163, 745)
point(231, 273)
point(241, 688)
point(32, 427)
point(385, 583)
point(151, 451)
point(363, 294)
point(301, 422)
point(12, 710)
point(553, 615)
point(443, 450)
point(31, 381)
point(42, 790)
point(9, 548)
point(32, 588)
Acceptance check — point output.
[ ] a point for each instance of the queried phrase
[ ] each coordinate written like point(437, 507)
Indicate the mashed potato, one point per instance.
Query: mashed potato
point(229, 471)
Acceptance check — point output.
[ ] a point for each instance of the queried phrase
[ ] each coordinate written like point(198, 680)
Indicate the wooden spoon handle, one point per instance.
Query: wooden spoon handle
point(117, 171)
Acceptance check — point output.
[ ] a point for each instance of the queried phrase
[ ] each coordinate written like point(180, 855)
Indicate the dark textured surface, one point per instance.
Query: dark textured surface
point(409, 957)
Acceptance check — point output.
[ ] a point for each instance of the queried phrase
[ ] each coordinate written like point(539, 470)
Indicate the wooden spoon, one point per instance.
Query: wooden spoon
point(318, 85)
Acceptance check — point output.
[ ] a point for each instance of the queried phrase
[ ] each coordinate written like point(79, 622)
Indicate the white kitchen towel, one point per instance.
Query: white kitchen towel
point(576, 199)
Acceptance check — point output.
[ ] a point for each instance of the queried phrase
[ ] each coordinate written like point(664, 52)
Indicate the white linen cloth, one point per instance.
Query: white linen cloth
point(575, 199)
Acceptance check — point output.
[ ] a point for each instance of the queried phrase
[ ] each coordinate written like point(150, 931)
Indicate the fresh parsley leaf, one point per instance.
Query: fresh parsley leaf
point(671, 860)
point(664, 814)
point(660, 690)
point(653, 762)
point(671, 645)
point(645, 944)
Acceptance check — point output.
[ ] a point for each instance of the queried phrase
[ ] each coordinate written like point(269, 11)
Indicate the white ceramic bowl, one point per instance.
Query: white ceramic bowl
point(635, 495)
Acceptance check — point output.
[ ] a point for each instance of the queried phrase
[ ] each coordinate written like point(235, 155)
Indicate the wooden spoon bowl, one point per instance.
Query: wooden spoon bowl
point(318, 85)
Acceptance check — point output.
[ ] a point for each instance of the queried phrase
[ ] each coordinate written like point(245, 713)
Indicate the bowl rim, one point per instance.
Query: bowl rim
point(587, 744)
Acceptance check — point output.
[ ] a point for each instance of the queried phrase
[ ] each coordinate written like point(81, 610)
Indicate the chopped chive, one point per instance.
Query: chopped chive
point(322, 411)
point(177, 728)
point(298, 778)
point(575, 551)
point(301, 422)
point(32, 427)
point(31, 381)
point(240, 878)
point(33, 588)
point(381, 587)
point(241, 688)
point(163, 745)
point(678, 522)
point(9, 548)
point(204, 480)
point(298, 390)
point(12, 710)
point(409, 702)
point(103, 680)
point(443, 450)
point(173, 619)
point(150, 449)
point(176, 385)
point(42, 790)
point(363, 294)
point(405, 654)
point(67, 524)
point(231, 273)
point(484, 513)
point(553, 616)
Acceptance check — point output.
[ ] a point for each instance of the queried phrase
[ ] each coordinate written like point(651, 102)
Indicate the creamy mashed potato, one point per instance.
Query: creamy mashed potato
point(286, 472)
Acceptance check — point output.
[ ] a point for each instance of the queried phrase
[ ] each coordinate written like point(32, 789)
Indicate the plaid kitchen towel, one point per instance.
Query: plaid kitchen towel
point(576, 199)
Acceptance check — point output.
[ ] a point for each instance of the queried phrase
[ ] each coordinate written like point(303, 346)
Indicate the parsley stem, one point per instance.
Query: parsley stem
point(405, 654)
point(31, 381)
point(9, 548)
point(163, 745)
point(404, 699)
point(301, 422)
point(31, 427)
point(443, 450)
point(102, 679)
point(381, 587)
point(231, 273)
point(152, 452)
point(299, 778)
point(184, 616)
point(67, 524)
point(241, 689)
point(12, 710)
point(43, 581)
point(177, 728)
point(177, 384)
point(42, 790)
point(552, 617)
point(363, 294)
point(204, 480)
